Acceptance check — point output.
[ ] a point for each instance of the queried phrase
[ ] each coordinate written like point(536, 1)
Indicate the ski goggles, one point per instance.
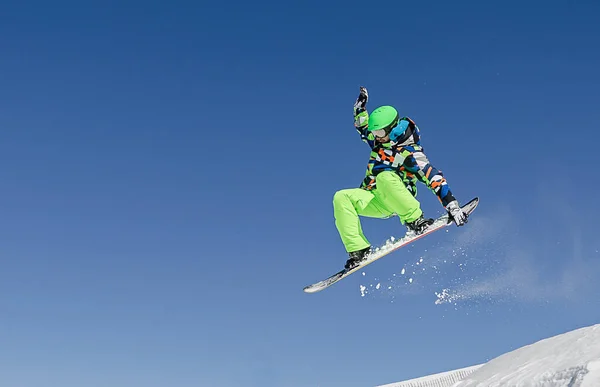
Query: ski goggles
point(387, 129)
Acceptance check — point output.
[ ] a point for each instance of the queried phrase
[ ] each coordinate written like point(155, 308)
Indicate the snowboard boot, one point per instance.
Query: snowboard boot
point(419, 225)
point(356, 257)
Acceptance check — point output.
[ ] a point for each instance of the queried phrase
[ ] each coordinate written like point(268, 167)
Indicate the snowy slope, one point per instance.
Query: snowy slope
point(568, 360)
point(442, 379)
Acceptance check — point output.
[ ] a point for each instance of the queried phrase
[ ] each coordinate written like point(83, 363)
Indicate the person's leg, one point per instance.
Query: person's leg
point(348, 205)
point(393, 194)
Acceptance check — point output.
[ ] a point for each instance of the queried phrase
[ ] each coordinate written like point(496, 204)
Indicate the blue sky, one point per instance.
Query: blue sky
point(168, 171)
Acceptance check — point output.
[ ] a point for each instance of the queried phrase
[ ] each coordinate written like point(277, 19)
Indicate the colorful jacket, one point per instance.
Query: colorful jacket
point(405, 157)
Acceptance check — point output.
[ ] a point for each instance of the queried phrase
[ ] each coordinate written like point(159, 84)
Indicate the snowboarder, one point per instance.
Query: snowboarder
point(389, 189)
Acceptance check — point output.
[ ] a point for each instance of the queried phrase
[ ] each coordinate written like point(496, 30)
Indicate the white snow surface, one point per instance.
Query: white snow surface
point(442, 379)
point(571, 359)
point(568, 360)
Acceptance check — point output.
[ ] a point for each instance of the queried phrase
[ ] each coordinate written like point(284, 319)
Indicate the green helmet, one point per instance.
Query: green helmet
point(382, 120)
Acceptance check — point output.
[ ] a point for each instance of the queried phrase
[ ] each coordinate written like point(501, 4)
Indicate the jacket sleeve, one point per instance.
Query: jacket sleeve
point(361, 123)
point(417, 164)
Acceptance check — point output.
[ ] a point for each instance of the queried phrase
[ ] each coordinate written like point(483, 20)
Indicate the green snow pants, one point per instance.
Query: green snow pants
point(389, 198)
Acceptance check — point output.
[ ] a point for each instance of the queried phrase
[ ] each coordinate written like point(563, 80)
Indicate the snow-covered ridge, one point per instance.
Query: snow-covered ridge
point(571, 359)
point(443, 379)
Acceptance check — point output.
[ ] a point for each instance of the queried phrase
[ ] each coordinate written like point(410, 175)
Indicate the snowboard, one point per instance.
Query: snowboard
point(391, 246)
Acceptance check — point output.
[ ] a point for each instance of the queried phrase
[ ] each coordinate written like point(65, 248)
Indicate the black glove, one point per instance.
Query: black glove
point(361, 102)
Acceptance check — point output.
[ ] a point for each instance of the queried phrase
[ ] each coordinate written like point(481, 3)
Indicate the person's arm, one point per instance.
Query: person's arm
point(361, 117)
point(416, 162)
